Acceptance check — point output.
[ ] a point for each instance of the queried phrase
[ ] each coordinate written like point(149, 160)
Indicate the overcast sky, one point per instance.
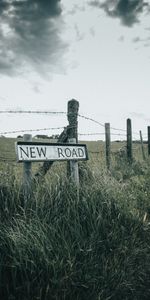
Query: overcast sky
point(97, 52)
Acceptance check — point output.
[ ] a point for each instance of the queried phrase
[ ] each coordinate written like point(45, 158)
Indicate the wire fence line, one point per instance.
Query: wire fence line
point(58, 128)
point(56, 113)
point(31, 130)
point(62, 127)
point(32, 112)
point(104, 150)
point(102, 133)
point(90, 119)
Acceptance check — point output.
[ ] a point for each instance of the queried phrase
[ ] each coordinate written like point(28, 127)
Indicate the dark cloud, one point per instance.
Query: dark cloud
point(126, 10)
point(30, 35)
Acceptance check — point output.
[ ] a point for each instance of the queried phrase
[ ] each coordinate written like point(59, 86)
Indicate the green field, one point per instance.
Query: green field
point(57, 245)
point(96, 151)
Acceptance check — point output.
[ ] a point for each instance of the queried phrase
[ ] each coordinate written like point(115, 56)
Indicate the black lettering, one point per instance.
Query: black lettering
point(32, 152)
point(80, 152)
point(22, 151)
point(74, 153)
point(67, 152)
point(41, 151)
point(60, 152)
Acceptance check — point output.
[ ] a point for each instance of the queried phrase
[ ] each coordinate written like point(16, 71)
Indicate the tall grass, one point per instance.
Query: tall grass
point(61, 247)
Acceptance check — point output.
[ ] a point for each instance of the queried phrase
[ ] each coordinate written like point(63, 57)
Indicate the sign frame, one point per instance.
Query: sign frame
point(54, 145)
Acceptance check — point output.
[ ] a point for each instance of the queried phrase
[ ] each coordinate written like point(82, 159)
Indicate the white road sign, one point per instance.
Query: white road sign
point(33, 151)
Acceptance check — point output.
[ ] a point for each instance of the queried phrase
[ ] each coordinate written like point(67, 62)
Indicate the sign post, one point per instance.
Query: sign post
point(27, 173)
point(28, 152)
point(74, 169)
point(73, 108)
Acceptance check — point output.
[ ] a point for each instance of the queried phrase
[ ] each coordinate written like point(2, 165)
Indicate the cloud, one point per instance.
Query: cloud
point(30, 35)
point(126, 10)
point(79, 35)
point(76, 8)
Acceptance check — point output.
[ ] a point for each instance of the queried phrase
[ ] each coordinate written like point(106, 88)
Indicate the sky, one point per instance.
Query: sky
point(97, 52)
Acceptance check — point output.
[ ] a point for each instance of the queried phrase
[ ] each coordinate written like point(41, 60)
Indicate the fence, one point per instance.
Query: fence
point(71, 131)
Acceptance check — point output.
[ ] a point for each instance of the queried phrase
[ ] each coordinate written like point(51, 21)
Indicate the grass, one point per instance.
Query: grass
point(59, 247)
point(62, 247)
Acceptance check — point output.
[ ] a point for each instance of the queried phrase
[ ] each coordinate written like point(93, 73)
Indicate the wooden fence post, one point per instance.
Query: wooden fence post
point(148, 129)
point(129, 141)
point(74, 170)
point(108, 145)
point(27, 173)
point(73, 107)
point(142, 146)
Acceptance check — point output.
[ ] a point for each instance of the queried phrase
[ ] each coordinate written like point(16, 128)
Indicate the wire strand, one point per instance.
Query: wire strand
point(30, 112)
point(31, 130)
point(90, 119)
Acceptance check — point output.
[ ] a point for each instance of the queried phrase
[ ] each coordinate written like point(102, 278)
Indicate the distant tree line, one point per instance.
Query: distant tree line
point(42, 136)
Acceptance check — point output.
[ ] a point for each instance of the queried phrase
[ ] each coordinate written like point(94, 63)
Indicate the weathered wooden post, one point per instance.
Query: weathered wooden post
point(142, 146)
point(73, 108)
point(129, 141)
point(74, 170)
point(108, 145)
point(72, 132)
point(148, 130)
point(27, 178)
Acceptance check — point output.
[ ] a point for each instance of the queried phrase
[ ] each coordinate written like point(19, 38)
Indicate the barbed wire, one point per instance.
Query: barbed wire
point(90, 134)
point(31, 112)
point(57, 128)
point(31, 130)
point(119, 129)
point(103, 125)
point(90, 119)
point(62, 127)
point(58, 113)
point(100, 133)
